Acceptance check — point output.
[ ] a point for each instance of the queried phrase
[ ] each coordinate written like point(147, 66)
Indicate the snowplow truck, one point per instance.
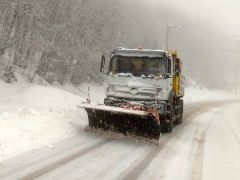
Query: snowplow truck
point(144, 94)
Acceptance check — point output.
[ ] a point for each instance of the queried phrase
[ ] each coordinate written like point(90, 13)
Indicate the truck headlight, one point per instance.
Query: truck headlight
point(134, 91)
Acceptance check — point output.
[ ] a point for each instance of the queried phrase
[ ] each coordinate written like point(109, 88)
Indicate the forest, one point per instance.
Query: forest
point(61, 41)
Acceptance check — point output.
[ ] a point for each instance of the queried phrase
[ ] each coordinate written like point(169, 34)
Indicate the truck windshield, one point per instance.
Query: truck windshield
point(139, 66)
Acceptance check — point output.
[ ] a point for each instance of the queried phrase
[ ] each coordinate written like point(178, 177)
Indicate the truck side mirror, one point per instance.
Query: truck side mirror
point(178, 66)
point(169, 63)
point(102, 67)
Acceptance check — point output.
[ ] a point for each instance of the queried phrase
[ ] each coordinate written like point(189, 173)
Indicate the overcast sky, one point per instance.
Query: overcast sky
point(212, 29)
point(225, 13)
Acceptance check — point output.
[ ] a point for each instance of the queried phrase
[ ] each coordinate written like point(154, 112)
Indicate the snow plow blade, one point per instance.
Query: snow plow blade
point(120, 120)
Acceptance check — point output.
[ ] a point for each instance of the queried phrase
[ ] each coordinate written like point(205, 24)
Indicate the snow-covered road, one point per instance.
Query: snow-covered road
point(205, 146)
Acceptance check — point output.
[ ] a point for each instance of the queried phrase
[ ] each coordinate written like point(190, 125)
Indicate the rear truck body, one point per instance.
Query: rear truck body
point(144, 95)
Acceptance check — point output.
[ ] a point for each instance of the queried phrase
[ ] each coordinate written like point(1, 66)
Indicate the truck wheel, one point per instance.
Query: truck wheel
point(180, 112)
point(167, 124)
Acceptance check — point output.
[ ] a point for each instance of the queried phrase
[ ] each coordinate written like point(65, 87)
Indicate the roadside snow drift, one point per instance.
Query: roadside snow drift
point(32, 116)
point(194, 94)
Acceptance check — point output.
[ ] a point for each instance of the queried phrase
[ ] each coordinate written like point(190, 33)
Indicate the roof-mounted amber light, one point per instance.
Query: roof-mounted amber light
point(173, 52)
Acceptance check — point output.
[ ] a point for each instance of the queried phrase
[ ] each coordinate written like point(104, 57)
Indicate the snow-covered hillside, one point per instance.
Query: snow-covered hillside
point(33, 116)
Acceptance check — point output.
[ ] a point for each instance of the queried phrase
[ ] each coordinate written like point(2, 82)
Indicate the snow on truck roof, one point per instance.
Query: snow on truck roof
point(139, 52)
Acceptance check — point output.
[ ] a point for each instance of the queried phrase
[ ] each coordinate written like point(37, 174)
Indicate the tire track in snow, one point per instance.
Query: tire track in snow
point(198, 155)
point(140, 167)
point(172, 151)
point(104, 174)
point(193, 112)
point(61, 162)
point(199, 143)
point(23, 167)
point(232, 131)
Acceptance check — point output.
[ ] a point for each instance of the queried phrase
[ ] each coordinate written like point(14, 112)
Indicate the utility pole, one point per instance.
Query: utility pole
point(169, 26)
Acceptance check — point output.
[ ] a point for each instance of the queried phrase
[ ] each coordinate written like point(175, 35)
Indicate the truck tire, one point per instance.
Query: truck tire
point(167, 123)
point(180, 112)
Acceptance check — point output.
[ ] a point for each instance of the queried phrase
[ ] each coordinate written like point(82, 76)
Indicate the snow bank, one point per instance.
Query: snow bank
point(33, 116)
point(97, 92)
point(193, 94)
point(44, 97)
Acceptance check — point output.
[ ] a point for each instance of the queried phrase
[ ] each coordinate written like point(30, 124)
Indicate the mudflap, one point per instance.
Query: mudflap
point(143, 125)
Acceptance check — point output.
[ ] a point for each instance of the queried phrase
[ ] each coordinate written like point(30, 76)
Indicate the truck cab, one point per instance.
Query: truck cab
point(149, 77)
